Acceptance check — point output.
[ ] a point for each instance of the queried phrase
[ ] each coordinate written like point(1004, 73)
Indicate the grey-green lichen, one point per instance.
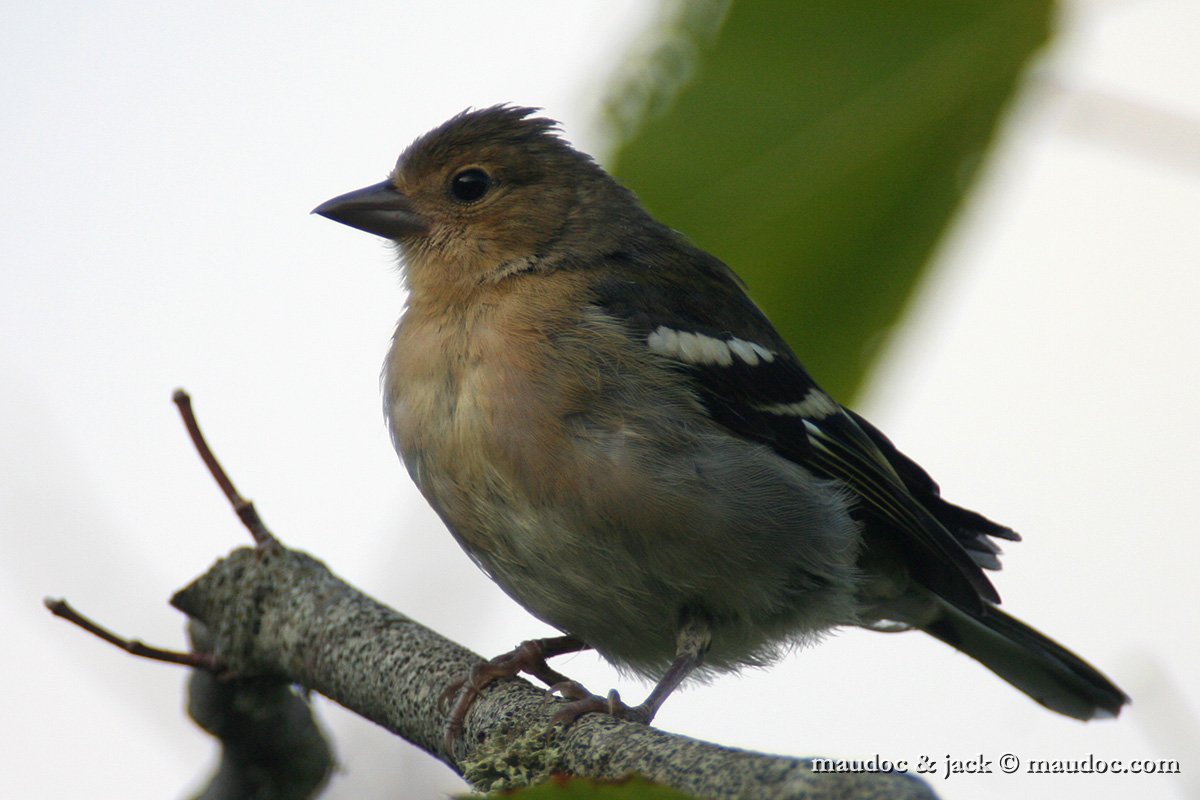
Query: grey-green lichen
point(510, 760)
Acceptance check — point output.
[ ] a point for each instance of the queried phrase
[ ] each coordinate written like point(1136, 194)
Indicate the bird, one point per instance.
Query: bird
point(618, 436)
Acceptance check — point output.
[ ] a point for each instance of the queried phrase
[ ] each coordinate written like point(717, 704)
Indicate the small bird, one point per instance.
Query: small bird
point(617, 435)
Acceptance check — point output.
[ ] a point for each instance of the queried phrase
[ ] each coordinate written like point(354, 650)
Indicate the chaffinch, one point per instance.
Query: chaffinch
point(615, 433)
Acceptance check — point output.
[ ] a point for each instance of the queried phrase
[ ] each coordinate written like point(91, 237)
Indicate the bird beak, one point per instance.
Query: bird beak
point(380, 209)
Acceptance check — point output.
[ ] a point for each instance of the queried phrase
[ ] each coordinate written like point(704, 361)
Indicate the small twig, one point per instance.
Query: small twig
point(205, 661)
point(243, 507)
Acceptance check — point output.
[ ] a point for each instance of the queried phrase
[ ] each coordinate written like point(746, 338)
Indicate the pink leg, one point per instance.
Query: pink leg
point(691, 645)
point(528, 657)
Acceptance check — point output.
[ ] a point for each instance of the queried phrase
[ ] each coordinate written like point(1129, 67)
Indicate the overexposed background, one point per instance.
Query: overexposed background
point(159, 162)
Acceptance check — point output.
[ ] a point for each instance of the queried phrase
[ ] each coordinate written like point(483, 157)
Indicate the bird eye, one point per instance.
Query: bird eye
point(470, 185)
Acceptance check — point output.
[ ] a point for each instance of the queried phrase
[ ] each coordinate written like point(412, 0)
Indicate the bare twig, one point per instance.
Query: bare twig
point(205, 661)
point(243, 507)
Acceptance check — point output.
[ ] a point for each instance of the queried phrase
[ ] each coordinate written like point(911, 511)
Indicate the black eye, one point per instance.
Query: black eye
point(470, 185)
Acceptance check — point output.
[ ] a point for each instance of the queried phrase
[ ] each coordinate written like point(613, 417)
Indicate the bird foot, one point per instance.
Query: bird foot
point(581, 702)
point(528, 657)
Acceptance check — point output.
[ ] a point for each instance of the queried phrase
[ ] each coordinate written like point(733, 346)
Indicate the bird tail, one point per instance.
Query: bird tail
point(1035, 664)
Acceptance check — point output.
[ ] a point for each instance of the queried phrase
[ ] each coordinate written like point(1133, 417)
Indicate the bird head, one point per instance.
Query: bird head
point(485, 195)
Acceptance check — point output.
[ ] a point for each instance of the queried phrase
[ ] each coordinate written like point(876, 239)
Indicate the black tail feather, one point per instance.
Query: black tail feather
point(1035, 664)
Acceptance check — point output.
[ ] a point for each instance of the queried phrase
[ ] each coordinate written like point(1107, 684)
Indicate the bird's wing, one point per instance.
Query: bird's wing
point(752, 383)
point(972, 529)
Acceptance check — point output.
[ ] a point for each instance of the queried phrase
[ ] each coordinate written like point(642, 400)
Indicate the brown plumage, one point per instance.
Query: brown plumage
point(615, 433)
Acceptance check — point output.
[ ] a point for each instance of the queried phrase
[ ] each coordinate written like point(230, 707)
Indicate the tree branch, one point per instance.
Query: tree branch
point(267, 618)
point(271, 745)
point(278, 612)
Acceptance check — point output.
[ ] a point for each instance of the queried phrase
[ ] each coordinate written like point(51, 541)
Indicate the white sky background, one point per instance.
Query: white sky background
point(159, 164)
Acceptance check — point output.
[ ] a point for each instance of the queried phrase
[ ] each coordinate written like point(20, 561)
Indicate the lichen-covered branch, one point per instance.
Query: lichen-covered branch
point(270, 611)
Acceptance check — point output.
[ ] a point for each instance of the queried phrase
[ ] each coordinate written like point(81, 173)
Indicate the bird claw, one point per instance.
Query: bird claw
point(528, 657)
point(581, 701)
point(571, 690)
point(449, 693)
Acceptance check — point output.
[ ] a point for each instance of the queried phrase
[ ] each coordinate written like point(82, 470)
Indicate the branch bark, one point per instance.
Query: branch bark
point(271, 746)
point(273, 612)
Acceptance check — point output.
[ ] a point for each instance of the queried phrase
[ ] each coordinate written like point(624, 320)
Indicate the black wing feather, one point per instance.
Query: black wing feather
point(895, 492)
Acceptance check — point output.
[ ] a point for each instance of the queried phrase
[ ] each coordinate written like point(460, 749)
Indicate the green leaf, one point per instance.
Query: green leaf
point(820, 148)
point(566, 788)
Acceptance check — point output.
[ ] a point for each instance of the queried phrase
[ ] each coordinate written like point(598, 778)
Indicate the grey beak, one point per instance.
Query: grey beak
point(380, 209)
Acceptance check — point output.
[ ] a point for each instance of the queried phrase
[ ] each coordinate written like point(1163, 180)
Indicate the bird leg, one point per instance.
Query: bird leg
point(691, 644)
point(528, 657)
